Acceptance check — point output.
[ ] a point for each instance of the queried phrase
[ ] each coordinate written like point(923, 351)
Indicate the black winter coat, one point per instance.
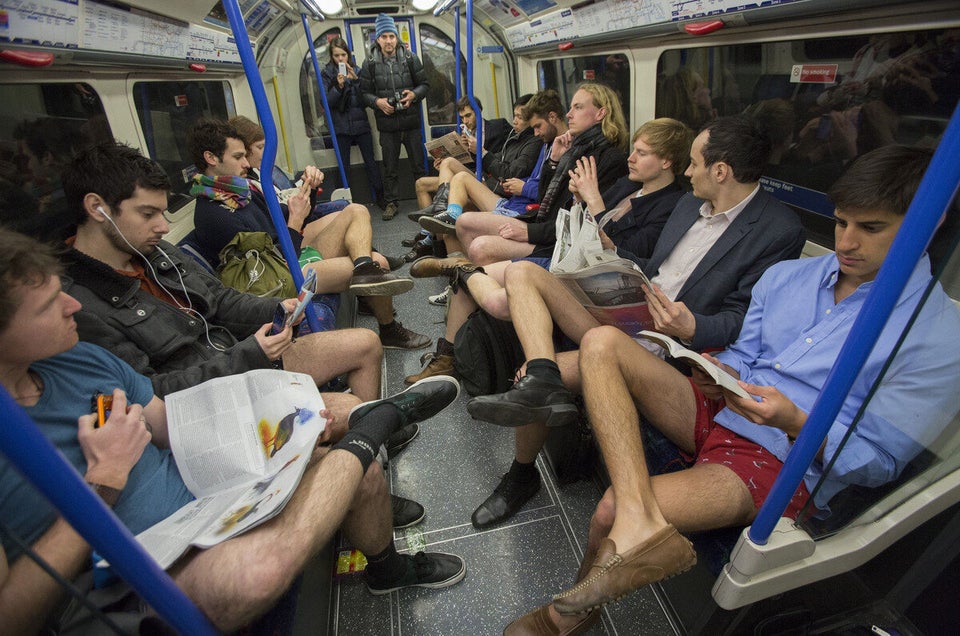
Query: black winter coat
point(346, 104)
point(516, 159)
point(389, 78)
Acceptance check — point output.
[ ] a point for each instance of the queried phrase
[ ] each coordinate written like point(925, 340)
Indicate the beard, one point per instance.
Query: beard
point(118, 242)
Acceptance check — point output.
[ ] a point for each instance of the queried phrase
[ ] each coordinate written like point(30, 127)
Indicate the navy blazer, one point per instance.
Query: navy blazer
point(718, 290)
point(635, 233)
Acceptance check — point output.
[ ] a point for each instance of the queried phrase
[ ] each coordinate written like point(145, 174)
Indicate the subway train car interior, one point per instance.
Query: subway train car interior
point(825, 83)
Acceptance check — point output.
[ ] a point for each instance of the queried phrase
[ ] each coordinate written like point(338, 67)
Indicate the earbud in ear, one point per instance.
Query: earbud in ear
point(100, 209)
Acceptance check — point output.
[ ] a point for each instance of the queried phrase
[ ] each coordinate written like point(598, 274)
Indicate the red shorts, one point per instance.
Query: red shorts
point(752, 463)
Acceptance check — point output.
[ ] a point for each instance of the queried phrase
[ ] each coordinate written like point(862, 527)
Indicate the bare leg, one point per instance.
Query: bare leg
point(450, 167)
point(425, 188)
point(464, 188)
point(327, 354)
point(460, 306)
point(473, 225)
point(348, 235)
point(333, 274)
point(488, 292)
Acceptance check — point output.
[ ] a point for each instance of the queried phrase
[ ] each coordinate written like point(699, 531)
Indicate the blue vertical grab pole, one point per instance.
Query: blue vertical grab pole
point(473, 101)
point(323, 98)
point(43, 465)
point(457, 71)
point(269, 148)
point(933, 196)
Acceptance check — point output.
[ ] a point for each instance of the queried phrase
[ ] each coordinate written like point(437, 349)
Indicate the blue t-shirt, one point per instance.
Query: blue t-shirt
point(154, 488)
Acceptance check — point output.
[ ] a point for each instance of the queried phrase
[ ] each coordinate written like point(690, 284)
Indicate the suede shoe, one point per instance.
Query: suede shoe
point(390, 211)
point(538, 623)
point(507, 499)
point(417, 402)
point(433, 570)
point(530, 401)
point(433, 267)
point(665, 554)
point(370, 280)
point(396, 336)
point(400, 439)
point(419, 250)
point(441, 223)
point(438, 364)
point(406, 512)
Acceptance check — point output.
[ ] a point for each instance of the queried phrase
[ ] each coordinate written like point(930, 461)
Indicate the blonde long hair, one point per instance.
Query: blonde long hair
point(614, 125)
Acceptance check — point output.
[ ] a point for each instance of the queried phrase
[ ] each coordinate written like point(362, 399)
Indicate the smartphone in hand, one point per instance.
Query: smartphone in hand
point(279, 320)
point(343, 69)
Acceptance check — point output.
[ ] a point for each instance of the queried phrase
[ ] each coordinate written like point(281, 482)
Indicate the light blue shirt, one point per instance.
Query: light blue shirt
point(791, 336)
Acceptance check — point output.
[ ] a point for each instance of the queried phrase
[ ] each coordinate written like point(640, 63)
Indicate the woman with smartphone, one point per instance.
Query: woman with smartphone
point(349, 115)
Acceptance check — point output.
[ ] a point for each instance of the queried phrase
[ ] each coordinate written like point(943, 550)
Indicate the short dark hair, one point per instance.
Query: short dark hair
point(209, 134)
point(543, 103)
point(522, 100)
point(23, 261)
point(738, 142)
point(882, 179)
point(112, 170)
point(464, 102)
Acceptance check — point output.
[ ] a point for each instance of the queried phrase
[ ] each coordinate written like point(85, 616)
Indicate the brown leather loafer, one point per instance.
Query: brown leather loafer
point(663, 555)
point(538, 623)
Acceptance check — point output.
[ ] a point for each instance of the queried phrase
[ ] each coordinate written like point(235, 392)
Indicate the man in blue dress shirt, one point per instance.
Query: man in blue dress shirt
point(800, 314)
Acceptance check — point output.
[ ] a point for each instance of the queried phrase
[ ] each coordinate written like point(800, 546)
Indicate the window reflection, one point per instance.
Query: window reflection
point(436, 53)
point(565, 74)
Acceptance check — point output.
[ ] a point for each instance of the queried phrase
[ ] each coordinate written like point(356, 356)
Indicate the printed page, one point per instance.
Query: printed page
point(612, 292)
point(678, 351)
point(168, 540)
point(448, 146)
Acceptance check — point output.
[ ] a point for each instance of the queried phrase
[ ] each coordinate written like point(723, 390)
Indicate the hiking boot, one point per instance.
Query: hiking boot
point(416, 403)
point(432, 570)
point(530, 401)
point(396, 336)
point(439, 364)
point(433, 267)
point(370, 280)
point(439, 203)
point(390, 211)
point(406, 512)
point(441, 299)
point(441, 223)
point(507, 499)
point(419, 250)
point(400, 439)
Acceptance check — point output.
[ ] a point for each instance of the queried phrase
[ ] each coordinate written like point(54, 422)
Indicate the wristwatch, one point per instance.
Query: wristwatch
point(108, 494)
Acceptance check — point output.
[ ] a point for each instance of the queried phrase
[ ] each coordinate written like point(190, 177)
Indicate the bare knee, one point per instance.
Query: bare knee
point(601, 341)
point(357, 211)
point(521, 273)
point(423, 185)
point(483, 250)
point(496, 305)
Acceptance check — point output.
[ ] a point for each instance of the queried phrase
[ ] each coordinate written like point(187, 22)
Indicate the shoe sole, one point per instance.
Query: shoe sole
point(410, 348)
point(433, 225)
point(393, 451)
point(510, 415)
point(435, 378)
point(383, 288)
point(437, 303)
point(410, 524)
point(453, 580)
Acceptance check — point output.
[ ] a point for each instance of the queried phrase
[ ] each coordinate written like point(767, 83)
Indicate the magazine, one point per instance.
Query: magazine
point(241, 444)
point(611, 292)
point(678, 351)
point(450, 145)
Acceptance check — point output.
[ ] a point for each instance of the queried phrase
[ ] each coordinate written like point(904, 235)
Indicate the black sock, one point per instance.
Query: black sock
point(388, 565)
point(368, 432)
point(444, 347)
point(524, 472)
point(362, 260)
point(544, 369)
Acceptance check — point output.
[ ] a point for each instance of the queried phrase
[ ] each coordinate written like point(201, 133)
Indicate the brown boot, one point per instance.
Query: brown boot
point(432, 267)
point(438, 364)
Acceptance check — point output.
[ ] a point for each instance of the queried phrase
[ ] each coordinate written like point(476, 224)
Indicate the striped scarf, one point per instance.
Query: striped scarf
point(232, 192)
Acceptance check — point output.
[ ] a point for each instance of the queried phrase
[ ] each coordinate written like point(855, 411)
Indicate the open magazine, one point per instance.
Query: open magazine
point(450, 145)
point(241, 443)
point(679, 352)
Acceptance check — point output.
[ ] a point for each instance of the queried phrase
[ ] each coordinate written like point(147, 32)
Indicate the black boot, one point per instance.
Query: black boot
point(439, 203)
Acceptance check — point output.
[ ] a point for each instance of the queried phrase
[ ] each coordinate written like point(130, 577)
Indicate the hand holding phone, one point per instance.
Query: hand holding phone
point(343, 69)
point(279, 320)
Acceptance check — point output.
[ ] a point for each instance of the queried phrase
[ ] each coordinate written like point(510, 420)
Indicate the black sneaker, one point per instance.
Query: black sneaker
point(401, 438)
point(369, 279)
point(406, 512)
point(441, 223)
point(416, 403)
point(507, 499)
point(397, 336)
point(432, 570)
point(530, 401)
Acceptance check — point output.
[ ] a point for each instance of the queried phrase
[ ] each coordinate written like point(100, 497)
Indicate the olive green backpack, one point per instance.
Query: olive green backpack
point(251, 263)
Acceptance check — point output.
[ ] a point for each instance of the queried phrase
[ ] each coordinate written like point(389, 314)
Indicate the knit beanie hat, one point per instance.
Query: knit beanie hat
point(386, 24)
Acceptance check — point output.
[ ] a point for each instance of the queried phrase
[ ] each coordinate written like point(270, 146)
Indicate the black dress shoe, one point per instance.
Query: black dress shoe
point(508, 497)
point(530, 401)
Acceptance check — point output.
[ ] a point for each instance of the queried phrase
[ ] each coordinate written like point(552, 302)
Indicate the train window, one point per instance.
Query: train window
point(436, 53)
point(41, 127)
point(565, 74)
point(310, 100)
point(166, 111)
point(825, 102)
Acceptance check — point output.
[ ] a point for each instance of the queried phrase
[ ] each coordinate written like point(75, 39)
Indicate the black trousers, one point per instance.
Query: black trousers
point(390, 142)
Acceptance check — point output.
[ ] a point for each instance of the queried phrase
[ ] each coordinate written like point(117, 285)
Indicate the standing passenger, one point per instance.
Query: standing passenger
point(393, 80)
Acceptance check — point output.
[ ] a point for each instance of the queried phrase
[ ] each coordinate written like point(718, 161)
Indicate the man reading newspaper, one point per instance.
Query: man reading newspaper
point(126, 461)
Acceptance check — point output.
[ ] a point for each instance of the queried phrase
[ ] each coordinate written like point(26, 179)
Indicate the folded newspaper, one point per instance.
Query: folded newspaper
point(450, 145)
point(241, 444)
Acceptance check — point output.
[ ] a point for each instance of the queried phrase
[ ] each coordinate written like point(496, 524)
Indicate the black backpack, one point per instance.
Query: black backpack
point(487, 354)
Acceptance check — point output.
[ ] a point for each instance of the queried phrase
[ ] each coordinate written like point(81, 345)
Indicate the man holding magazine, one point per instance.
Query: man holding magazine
point(127, 462)
point(713, 248)
point(801, 313)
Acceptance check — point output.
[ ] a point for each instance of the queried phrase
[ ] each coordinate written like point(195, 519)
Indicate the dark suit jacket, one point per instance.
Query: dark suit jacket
point(495, 133)
point(718, 290)
point(635, 233)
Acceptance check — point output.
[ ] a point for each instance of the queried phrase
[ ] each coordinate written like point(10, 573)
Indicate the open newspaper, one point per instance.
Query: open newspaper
point(241, 443)
point(450, 145)
point(678, 352)
point(610, 290)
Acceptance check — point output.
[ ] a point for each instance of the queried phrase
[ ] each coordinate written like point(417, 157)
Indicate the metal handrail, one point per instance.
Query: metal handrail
point(473, 100)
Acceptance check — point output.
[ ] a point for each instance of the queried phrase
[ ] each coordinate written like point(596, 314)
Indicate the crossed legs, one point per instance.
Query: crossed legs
point(479, 233)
